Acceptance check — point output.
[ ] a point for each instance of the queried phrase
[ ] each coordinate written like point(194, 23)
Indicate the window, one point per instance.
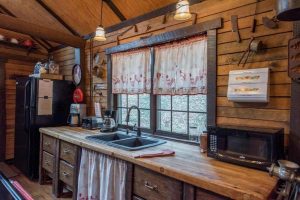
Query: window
point(177, 104)
point(125, 101)
point(181, 116)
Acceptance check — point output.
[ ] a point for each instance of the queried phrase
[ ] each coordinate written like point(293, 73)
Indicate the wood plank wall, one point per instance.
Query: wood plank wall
point(65, 58)
point(273, 114)
point(12, 69)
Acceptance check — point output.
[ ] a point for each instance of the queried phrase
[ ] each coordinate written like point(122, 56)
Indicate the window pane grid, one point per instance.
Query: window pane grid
point(185, 117)
point(125, 101)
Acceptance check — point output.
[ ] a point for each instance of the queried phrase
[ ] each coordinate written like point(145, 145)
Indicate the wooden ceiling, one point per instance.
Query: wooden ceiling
point(76, 17)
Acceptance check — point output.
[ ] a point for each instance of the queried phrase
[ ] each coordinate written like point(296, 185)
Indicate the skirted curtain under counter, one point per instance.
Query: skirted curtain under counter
point(181, 67)
point(131, 73)
point(101, 177)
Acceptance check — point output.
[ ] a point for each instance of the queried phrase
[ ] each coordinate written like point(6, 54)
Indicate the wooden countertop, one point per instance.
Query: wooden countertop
point(188, 165)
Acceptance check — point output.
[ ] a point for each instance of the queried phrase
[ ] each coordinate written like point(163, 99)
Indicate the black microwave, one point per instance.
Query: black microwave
point(247, 146)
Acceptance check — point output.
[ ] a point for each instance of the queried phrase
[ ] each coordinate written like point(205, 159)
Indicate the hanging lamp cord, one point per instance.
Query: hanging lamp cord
point(101, 13)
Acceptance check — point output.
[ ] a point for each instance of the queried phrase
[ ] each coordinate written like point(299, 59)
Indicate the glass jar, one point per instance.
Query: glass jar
point(203, 141)
point(194, 133)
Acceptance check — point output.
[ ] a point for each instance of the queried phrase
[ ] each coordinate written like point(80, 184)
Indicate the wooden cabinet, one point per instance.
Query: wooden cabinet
point(59, 165)
point(49, 144)
point(68, 163)
point(48, 162)
point(47, 168)
point(66, 173)
point(68, 152)
point(149, 185)
point(153, 186)
point(60, 162)
point(206, 195)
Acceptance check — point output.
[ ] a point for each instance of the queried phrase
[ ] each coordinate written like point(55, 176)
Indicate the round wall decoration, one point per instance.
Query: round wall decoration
point(76, 74)
point(78, 96)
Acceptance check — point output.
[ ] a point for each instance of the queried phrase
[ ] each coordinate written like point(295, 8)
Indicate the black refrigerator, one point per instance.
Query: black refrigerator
point(32, 97)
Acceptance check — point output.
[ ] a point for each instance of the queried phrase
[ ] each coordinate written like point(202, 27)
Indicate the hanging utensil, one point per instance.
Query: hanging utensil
point(254, 22)
point(235, 27)
point(270, 23)
point(254, 46)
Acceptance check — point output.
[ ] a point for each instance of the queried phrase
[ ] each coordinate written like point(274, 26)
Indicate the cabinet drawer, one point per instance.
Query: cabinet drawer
point(68, 152)
point(48, 162)
point(66, 173)
point(49, 144)
point(153, 186)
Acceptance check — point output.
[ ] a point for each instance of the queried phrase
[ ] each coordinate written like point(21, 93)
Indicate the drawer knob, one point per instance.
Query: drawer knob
point(66, 151)
point(65, 174)
point(150, 187)
point(47, 143)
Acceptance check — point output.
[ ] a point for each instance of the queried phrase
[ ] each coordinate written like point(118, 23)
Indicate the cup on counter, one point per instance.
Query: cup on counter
point(203, 142)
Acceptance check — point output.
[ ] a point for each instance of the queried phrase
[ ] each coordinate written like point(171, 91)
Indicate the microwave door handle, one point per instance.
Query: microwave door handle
point(26, 107)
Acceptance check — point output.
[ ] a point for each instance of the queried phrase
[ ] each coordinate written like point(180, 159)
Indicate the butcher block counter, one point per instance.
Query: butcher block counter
point(187, 165)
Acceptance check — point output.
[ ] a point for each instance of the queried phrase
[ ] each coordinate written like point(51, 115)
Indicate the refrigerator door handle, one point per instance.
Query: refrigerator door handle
point(26, 107)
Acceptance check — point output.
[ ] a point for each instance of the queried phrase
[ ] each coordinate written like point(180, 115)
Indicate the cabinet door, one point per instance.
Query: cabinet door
point(206, 195)
point(153, 186)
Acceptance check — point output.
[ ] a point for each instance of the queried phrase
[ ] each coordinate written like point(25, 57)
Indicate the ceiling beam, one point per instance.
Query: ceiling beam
point(60, 20)
point(57, 48)
point(47, 43)
point(4, 10)
point(141, 18)
point(41, 43)
point(147, 16)
point(20, 54)
point(21, 26)
point(115, 9)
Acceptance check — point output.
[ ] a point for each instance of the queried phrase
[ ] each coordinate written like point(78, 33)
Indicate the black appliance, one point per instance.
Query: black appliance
point(28, 122)
point(92, 123)
point(247, 146)
point(110, 121)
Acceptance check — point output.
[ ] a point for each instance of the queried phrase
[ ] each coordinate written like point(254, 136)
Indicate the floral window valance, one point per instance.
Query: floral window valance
point(181, 67)
point(131, 73)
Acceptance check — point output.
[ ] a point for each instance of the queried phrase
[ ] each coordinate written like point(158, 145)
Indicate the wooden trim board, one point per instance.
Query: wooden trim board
point(294, 145)
point(168, 36)
point(147, 16)
point(2, 112)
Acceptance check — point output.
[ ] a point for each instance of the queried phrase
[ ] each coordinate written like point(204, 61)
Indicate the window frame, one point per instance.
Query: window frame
point(210, 29)
point(188, 112)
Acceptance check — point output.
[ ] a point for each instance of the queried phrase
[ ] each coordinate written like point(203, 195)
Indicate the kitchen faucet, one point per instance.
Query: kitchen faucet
point(138, 129)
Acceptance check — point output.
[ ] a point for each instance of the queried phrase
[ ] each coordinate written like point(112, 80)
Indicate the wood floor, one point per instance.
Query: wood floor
point(37, 191)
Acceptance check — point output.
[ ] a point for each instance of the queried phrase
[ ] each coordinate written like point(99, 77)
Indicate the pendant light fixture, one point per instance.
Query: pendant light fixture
point(288, 10)
point(182, 10)
point(100, 32)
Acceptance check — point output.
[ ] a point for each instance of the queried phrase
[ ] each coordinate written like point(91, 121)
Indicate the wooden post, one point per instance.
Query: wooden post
point(2, 111)
point(80, 60)
point(294, 136)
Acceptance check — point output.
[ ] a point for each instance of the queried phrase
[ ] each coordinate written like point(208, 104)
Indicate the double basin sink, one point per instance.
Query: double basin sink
point(127, 142)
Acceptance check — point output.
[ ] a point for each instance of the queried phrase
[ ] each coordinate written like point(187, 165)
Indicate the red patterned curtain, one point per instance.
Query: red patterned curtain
point(131, 73)
point(181, 67)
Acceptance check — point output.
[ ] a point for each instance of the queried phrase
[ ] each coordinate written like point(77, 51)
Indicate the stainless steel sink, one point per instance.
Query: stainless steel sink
point(104, 138)
point(136, 143)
